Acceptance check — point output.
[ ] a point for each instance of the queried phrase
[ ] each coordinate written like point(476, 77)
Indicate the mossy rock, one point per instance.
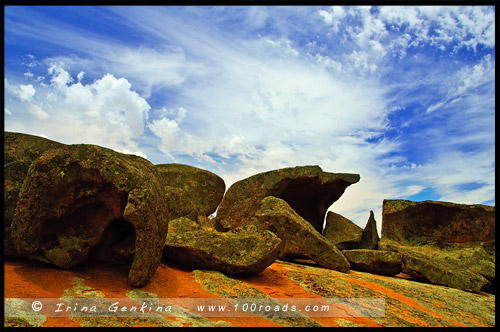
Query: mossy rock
point(242, 251)
point(369, 237)
point(374, 261)
point(300, 239)
point(19, 152)
point(342, 232)
point(204, 189)
point(441, 272)
point(454, 236)
point(84, 200)
point(435, 222)
point(307, 189)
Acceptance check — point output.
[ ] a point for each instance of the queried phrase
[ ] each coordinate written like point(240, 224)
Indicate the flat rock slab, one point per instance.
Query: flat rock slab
point(307, 189)
point(407, 303)
point(342, 232)
point(374, 261)
point(234, 252)
point(84, 200)
point(300, 239)
point(203, 188)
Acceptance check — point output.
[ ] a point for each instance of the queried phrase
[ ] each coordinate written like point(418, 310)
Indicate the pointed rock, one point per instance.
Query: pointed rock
point(342, 232)
point(369, 238)
point(307, 189)
point(300, 239)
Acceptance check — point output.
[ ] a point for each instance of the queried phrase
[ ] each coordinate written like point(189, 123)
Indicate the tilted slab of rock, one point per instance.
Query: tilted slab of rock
point(441, 272)
point(369, 238)
point(434, 222)
point(300, 239)
point(234, 252)
point(85, 200)
point(307, 189)
point(19, 152)
point(342, 232)
point(374, 261)
point(204, 189)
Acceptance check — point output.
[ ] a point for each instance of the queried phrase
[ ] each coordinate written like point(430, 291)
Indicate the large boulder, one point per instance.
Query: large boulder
point(81, 201)
point(235, 252)
point(374, 261)
point(300, 239)
point(450, 236)
point(369, 237)
point(19, 152)
point(203, 189)
point(342, 232)
point(434, 222)
point(307, 189)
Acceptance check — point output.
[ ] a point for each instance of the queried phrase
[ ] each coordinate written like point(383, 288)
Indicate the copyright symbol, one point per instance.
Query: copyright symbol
point(36, 306)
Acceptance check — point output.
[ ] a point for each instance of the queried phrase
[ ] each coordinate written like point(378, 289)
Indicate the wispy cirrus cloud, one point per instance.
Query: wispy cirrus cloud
point(403, 96)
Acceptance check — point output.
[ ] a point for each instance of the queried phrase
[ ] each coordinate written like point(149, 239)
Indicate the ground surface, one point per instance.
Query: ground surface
point(407, 303)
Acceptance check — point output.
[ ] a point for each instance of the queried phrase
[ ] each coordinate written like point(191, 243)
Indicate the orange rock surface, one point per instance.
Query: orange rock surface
point(407, 303)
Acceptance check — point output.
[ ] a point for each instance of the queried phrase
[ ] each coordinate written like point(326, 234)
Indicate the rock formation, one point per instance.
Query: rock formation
point(19, 152)
point(444, 243)
point(202, 188)
point(307, 189)
point(438, 223)
point(440, 272)
point(234, 252)
point(369, 238)
point(300, 239)
point(82, 198)
point(342, 232)
point(374, 261)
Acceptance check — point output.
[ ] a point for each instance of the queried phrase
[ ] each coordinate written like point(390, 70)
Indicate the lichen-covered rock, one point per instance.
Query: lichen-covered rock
point(84, 200)
point(342, 232)
point(369, 238)
point(300, 239)
point(203, 188)
point(374, 261)
point(19, 152)
point(235, 252)
point(307, 189)
point(179, 204)
point(452, 236)
point(441, 272)
point(434, 222)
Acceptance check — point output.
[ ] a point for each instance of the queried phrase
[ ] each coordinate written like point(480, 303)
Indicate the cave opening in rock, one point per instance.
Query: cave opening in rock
point(85, 212)
point(117, 243)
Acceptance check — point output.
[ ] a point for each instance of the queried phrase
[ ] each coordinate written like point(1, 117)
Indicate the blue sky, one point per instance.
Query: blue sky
point(403, 96)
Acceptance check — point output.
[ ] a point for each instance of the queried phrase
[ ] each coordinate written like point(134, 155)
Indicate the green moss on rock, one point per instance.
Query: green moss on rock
point(204, 189)
point(299, 238)
point(374, 261)
point(234, 252)
point(342, 232)
point(19, 152)
point(307, 189)
point(71, 194)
